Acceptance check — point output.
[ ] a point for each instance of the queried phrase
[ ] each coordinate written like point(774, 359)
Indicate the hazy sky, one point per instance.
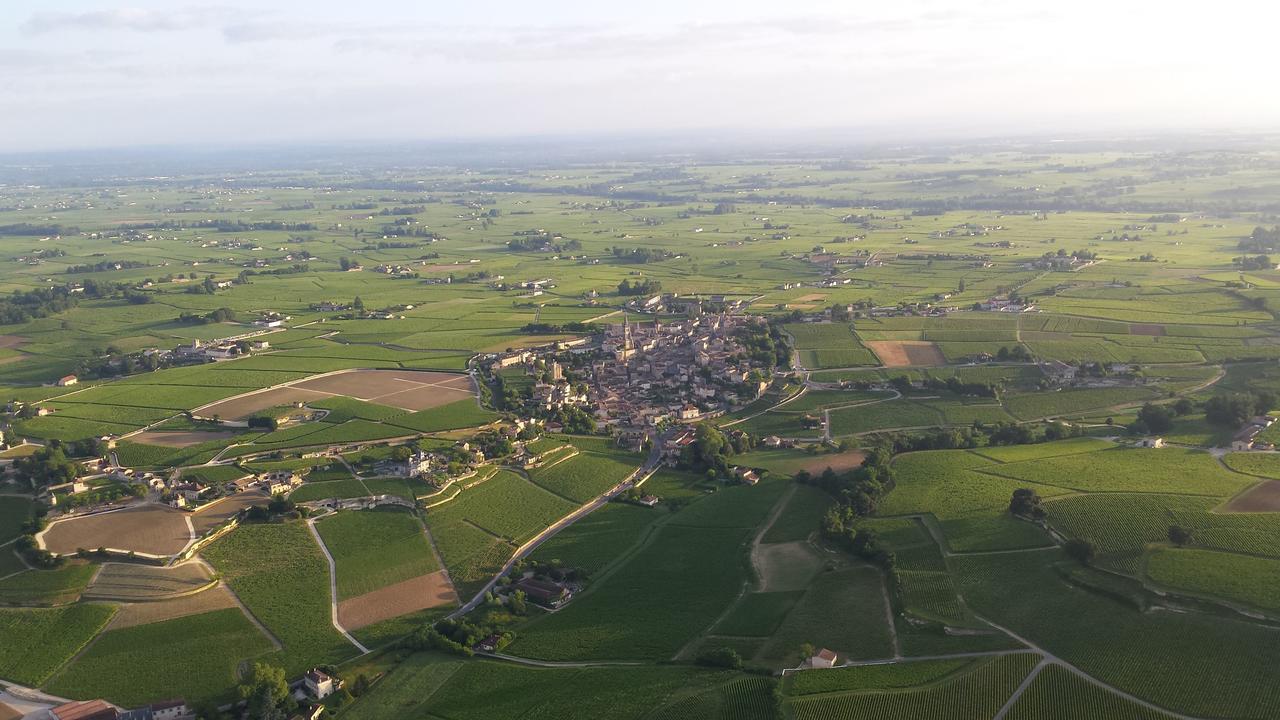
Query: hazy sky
point(77, 73)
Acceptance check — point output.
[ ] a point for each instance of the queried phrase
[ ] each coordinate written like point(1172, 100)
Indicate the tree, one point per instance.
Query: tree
point(1155, 418)
point(1081, 550)
point(1179, 535)
point(358, 305)
point(266, 691)
point(722, 657)
point(517, 602)
point(1026, 502)
point(807, 650)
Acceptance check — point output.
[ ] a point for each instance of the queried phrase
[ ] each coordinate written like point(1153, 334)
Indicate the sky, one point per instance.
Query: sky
point(81, 74)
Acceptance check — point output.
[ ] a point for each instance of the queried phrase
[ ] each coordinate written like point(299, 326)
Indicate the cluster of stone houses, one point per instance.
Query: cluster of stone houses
point(102, 710)
point(673, 372)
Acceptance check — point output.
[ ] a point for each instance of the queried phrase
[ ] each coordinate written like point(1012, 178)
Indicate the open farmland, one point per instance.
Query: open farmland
point(928, 310)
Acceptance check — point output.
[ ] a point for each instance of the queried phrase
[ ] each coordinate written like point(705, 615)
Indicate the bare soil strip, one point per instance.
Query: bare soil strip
point(906, 353)
point(142, 613)
point(420, 593)
point(1263, 497)
point(178, 439)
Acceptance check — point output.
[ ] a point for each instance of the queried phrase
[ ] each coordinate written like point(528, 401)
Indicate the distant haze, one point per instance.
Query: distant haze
point(82, 74)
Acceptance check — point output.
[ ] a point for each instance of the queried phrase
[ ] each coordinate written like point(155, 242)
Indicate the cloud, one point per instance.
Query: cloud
point(133, 19)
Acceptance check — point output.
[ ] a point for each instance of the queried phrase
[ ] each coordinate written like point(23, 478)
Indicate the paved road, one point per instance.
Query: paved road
point(333, 587)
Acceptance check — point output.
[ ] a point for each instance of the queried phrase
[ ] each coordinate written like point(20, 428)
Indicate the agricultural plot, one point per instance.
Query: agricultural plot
point(858, 678)
point(47, 587)
point(1058, 694)
point(1166, 470)
point(886, 415)
point(375, 548)
point(1073, 402)
point(842, 610)
point(801, 515)
point(1192, 663)
point(828, 345)
point(280, 574)
point(971, 506)
point(582, 477)
point(1246, 580)
point(451, 416)
point(599, 538)
point(979, 692)
point(153, 529)
point(195, 657)
point(483, 690)
point(38, 642)
point(670, 590)
point(131, 582)
point(907, 353)
point(15, 511)
point(506, 506)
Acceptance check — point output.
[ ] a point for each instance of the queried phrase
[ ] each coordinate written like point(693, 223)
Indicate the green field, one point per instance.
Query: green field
point(38, 642)
point(375, 548)
point(195, 657)
point(280, 574)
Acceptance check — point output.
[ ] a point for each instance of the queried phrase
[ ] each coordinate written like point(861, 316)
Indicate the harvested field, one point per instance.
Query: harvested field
point(800, 306)
point(906, 353)
point(145, 613)
point(1264, 497)
point(11, 341)
point(242, 407)
point(131, 582)
point(840, 462)
point(214, 514)
point(811, 297)
point(404, 389)
point(179, 439)
point(1146, 329)
point(151, 529)
point(402, 598)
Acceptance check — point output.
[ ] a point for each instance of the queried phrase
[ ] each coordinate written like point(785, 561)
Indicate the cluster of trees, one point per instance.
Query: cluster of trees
point(205, 287)
point(455, 636)
point(346, 263)
point(25, 305)
point(1261, 240)
point(764, 345)
point(293, 269)
point(640, 287)
point(261, 226)
point(551, 329)
point(641, 255)
point(1235, 409)
point(217, 316)
point(711, 449)
point(52, 464)
point(1154, 418)
point(978, 435)
point(1017, 353)
point(106, 265)
point(952, 384)
point(1253, 262)
point(19, 229)
point(858, 493)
